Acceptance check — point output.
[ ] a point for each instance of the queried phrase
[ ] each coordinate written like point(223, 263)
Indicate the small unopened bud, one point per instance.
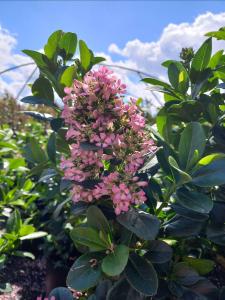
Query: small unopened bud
point(93, 262)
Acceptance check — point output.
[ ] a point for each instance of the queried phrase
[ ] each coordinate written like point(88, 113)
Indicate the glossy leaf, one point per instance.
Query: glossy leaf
point(114, 263)
point(216, 233)
point(37, 101)
point(192, 145)
point(102, 289)
point(202, 266)
point(68, 76)
point(85, 55)
point(68, 43)
point(34, 153)
point(155, 81)
point(182, 177)
point(85, 273)
point(185, 275)
point(39, 116)
point(178, 77)
point(34, 235)
point(38, 57)
point(89, 237)
point(61, 293)
point(51, 147)
point(141, 275)
point(159, 252)
point(201, 59)
point(180, 226)
point(42, 88)
point(14, 222)
point(219, 35)
point(97, 220)
point(144, 225)
point(211, 174)
point(51, 47)
point(195, 201)
point(122, 290)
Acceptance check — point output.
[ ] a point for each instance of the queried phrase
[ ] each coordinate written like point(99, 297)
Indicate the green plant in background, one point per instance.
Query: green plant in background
point(164, 248)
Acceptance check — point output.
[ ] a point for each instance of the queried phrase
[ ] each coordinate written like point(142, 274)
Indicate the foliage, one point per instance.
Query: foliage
point(160, 249)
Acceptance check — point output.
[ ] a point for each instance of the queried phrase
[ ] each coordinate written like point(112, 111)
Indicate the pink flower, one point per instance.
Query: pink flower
point(96, 115)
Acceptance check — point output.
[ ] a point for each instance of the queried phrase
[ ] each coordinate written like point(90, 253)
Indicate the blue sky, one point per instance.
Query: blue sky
point(100, 23)
point(135, 34)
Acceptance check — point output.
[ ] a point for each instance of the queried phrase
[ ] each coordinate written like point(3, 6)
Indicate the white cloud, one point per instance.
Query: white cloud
point(148, 56)
point(144, 56)
point(12, 81)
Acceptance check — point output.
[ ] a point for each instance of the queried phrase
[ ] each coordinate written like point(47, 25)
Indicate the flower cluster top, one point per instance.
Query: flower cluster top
point(107, 141)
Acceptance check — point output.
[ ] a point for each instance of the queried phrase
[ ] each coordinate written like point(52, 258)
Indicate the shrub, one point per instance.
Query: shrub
point(147, 223)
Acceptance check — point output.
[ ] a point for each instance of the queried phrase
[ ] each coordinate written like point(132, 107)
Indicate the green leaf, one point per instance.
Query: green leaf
point(195, 201)
point(141, 275)
point(180, 226)
point(186, 111)
point(210, 158)
point(61, 293)
point(51, 47)
point(122, 290)
point(97, 220)
point(68, 43)
point(37, 101)
point(211, 174)
point(38, 57)
point(144, 225)
point(178, 77)
point(216, 233)
point(185, 275)
point(192, 145)
point(186, 212)
point(183, 177)
point(79, 209)
point(39, 116)
point(215, 59)
point(102, 289)
point(201, 59)
point(16, 163)
point(42, 88)
point(34, 153)
point(159, 252)
point(97, 59)
point(89, 237)
point(164, 125)
point(202, 266)
point(56, 124)
point(85, 273)
point(68, 76)
point(219, 35)
point(156, 82)
point(26, 229)
point(14, 222)
point(47, 175)
point(200, 83)
point(85, 55)
point(51, 147)
point(114, 263)
point(24, 254)
point(34, 235)
point(3, 257)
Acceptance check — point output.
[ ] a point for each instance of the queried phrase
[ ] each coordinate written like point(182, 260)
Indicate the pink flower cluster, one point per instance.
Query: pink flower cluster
point(107, 140)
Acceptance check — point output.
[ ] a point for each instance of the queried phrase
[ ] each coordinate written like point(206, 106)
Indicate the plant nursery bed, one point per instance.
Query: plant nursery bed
point(30, 279)
point(26, 277)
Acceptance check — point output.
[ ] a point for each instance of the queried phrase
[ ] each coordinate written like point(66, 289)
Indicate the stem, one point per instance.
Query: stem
point(167, 198)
